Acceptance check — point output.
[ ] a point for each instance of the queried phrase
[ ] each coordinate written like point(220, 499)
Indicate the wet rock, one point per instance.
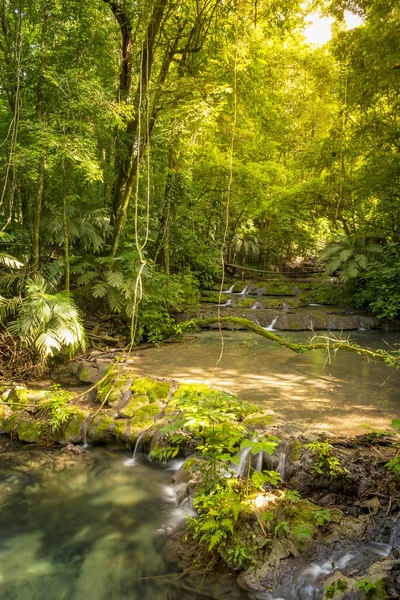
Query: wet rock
point(260, 578)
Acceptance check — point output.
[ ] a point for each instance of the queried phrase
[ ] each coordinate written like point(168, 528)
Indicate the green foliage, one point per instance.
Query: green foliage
point(350, 255)
point(325, 463)
point(51, 323)
point(367, 586)
point(58, 410)
point(378, 287)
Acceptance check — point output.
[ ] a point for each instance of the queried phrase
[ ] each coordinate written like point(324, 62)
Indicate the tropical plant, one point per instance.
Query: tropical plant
point(350, 255)
point(50, 323)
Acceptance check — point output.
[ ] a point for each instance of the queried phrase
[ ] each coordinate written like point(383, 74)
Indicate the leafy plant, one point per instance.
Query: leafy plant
point(48, 322)
point(366, 585)
point(324, 460)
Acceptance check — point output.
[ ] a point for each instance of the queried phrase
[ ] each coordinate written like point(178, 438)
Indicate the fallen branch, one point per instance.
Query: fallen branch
point(328, 343)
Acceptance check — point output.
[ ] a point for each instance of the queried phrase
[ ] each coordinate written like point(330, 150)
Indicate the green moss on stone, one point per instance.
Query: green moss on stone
point(295, 453)
point(99, 429)
point(29, 430)
point(11, 423)
point(258, 421)
point(133, 405)
point(154, 390)
point(114, 386)
point(145, 416)
point(72, 433)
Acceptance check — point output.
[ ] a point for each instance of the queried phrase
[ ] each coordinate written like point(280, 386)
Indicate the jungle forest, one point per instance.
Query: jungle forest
point(199, 299)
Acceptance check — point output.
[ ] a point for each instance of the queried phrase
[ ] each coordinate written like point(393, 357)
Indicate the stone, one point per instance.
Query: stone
point(29, 430)
point(89, 374)
point(72, 433)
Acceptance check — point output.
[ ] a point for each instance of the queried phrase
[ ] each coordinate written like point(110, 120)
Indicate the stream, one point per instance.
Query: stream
point(90, 527)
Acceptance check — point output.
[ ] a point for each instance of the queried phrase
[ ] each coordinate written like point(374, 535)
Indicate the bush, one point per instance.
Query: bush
point(378, 287)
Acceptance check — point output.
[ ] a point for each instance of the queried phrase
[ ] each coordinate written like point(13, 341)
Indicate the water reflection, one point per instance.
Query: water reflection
point(88, 528)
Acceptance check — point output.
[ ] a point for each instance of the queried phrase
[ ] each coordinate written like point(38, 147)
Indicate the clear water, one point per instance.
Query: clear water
point(90, 528)
point(340, 392)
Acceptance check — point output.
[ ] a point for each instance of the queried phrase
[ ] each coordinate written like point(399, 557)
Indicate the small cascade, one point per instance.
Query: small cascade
point(271, 325)
point(229, 291)
point(259, 462)
point(395, 534)
point(281, 464)
point(244, 291)
point(132, 461)
point(244, 463)
point(257, 305)
point(362, 327)
point(308, 582)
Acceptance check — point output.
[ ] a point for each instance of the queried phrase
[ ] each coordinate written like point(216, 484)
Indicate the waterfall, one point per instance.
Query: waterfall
point(132, 461)
point(244, 462)
point(271, 325)
point(229, 291)
point(259, 463)
point(281, 464)
point(228, 302)
point(244, 290)
point(257, 305)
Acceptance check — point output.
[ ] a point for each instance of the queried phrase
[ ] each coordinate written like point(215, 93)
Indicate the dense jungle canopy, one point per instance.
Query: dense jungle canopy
point(144, 141)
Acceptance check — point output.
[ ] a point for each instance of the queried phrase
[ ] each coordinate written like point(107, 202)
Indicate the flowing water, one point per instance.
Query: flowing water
point(91, 528)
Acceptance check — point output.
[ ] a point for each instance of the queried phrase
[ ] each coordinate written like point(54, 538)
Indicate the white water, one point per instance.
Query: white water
point(257, 305)
point(244, 462)
point(244, 291)
point(229, 291)
point(132, 461)
point(271, 325)
point(281, 464)
point(307, 583)
point(259, 463)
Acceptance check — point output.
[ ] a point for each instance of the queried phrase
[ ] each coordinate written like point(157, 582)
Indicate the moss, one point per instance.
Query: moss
point(246, 303)
point(5, 413)
point(122, 431)
point(280, 289)
point(145, 416)
point(154, 390)
point(99, 429)
point(379, 593)
point(201, 389)
point(29, 430)
point(295, 452)
point(11, 423)
point(72, 432)
point(258, 421)
point(18, 395)
point(114, 386)
point(332, 294)
point(133, 405)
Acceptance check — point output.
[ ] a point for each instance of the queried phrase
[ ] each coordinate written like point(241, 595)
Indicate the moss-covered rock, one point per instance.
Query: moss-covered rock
point(10, 423)
point(72, 432)
point(258, 420)
point(100, 429)
point(152, 389)
point(332, 294)
point(29, 430)
point(115, 386)
point(5, 413)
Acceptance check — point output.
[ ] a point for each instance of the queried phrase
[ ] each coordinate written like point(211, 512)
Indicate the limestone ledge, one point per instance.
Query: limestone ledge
point(126, 406)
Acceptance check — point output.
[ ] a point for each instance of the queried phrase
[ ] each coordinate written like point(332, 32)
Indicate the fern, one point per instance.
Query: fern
point(49, 322)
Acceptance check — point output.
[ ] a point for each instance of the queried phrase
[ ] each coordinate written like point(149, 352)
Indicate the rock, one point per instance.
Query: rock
point(99, 431)
point(256, 579)
point(28, 430)
point(72, 433)
point(73, 367)
point(89, 374)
